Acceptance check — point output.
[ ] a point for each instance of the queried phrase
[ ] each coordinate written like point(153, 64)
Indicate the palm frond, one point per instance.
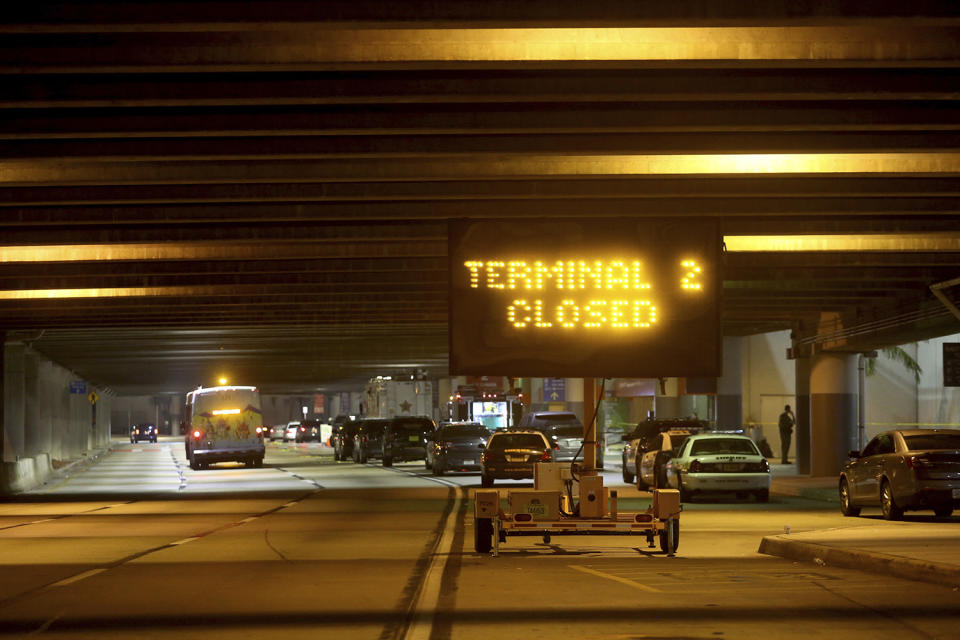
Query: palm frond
point(897, 354)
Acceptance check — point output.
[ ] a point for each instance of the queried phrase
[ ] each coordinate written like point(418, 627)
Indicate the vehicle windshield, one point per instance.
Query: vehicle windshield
point(677, 442)
point(413, 425)
point(516, 441)
point(933, 441)
point(464, 430)
point(723, 445)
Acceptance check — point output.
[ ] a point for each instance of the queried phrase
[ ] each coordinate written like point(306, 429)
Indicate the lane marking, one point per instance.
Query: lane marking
point(78, 577)
point(425, 604)
point(184, 541)
point(250, 519)
point(46, 625)
point(609, 576)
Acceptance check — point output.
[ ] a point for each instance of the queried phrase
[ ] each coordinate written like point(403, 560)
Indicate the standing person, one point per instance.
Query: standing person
point(786, 422)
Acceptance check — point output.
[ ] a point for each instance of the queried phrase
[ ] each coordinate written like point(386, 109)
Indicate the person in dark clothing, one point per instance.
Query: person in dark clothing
point(786, 422)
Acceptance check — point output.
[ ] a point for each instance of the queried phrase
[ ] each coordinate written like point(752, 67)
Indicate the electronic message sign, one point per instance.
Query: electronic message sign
point(585, 297)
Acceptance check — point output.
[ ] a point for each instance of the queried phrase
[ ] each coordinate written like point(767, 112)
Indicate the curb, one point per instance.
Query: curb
point(819, 554)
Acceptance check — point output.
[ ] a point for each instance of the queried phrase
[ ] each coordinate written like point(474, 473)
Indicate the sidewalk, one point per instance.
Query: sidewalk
point(920, 548)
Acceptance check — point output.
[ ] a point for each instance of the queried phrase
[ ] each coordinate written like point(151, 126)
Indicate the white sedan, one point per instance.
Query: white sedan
point(719, 462)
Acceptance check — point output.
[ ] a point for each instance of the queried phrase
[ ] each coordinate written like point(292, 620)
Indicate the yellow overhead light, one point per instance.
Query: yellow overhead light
point(852, 242)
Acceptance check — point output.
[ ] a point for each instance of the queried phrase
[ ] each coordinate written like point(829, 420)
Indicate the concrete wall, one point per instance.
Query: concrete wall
point(936, 404)
point(766, 372)
point(44, 424)
point(891, 394)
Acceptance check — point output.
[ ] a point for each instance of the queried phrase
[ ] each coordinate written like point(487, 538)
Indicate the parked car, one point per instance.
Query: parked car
point(143, 431)
point(291, 430)
point(719, 462)
point(650, 458)
point(276, 432)
point(343, 436)
point(309, 431)
point(512, 454)
point(405, 438)
point(643, 438)
point(368, 443)
point(456, 446)
point(564, 431)
point(904, 470)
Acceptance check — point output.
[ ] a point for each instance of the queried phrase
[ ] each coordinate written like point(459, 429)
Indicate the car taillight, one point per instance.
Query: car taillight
point(694, 467)
point(765, 465)
point(486, 457)
point(197, 434)
point(916, 462)
point(546, 456)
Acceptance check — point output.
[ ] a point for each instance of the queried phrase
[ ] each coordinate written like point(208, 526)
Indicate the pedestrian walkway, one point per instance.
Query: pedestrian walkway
point(921, 547)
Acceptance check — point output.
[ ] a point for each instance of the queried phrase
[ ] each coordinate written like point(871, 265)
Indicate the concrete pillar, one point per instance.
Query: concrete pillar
point(833, 411)
point(13, 401)
point(37, 429)
point(801, 432)
point(666, 403)
point(730, 386)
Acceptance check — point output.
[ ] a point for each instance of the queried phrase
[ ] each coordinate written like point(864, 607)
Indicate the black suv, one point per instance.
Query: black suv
point(405, 439)
point(144, 431)
point(343, 435)
point(368, 442)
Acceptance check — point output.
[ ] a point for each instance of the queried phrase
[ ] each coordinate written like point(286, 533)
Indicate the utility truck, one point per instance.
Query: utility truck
point(389, 397)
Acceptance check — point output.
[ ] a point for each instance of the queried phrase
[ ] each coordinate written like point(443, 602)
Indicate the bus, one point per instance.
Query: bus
point(224, 424)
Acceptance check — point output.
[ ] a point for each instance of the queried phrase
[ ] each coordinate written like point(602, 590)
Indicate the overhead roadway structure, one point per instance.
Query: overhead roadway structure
point(263, 187)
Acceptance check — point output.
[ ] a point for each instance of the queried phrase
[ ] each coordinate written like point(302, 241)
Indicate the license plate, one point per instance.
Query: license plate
point(469, 462)
point(414, 438)
point(730, 467)
point(516, 458)
point(956, 494)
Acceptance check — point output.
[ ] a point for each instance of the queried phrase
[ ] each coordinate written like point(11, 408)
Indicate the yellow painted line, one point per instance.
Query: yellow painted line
point(608, 576)
point(78, 577)
point(185, 541)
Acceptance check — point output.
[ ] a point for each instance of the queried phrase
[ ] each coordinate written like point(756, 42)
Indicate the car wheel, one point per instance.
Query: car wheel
point(437, 469)
point(486, 481)
point(387, 462)
point(426, 463)
point(943, 512)
point(482, 535)
point(846, 506)
point(889, 506)
point(627, 476)
point(664, 542)
point(258, 462)
point(660, 477)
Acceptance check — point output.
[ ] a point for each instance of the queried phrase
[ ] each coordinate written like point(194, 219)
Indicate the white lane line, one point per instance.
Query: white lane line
point(250, 519)
point(184, 541)
point(429, 597)
point(78, 577)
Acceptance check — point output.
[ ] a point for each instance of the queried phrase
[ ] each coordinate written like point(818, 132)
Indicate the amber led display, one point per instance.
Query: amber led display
point(601, 297)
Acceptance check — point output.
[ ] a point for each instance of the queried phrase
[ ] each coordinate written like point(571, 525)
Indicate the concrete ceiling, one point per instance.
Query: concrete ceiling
point(268, 184)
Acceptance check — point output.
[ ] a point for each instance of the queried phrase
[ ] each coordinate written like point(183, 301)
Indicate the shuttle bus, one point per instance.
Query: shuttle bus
point(224, 424)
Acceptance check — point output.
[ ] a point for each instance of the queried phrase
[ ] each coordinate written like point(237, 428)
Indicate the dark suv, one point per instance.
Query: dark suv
point(144, 431)
point(513, 454)
point(405, 439)
point(564, 431)
point(368, 442)
point(343, 435)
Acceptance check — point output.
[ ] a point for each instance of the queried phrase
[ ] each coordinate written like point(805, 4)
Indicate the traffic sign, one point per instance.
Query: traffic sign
point(93, 397)
point(78, 386)
point(554, 389)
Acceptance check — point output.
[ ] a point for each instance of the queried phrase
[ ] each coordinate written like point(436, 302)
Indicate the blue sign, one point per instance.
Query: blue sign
point(554, 389)
point(78, 386)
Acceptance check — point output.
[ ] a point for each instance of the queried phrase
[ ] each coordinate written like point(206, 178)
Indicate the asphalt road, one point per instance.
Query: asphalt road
point(139, 545)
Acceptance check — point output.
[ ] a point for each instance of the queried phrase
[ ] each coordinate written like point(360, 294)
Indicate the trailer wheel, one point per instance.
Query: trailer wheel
point(664, 542)
point(387, 462)
point(482, 535)
point(486, 481)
